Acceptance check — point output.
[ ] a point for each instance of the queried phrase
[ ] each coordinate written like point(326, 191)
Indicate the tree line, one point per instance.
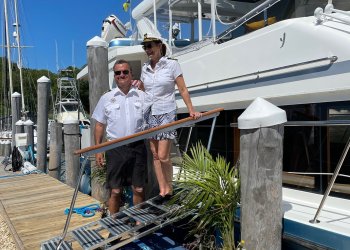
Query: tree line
point(30, 77)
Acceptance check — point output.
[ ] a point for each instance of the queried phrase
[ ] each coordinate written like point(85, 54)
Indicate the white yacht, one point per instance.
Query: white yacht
point(293, 53)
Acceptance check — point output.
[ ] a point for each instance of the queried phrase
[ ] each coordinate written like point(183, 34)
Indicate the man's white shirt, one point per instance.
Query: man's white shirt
point(122, 114)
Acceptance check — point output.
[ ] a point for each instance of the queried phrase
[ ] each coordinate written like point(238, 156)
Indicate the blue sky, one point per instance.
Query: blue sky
point(67, 23)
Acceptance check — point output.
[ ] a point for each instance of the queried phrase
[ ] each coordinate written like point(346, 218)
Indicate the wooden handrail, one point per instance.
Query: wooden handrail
point(146, 133)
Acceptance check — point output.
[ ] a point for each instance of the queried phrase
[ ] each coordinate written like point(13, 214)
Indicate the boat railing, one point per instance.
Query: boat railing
point(225, 35)
point(88, 151)
point(335, 174)
point(327, 13)
point(242, 20)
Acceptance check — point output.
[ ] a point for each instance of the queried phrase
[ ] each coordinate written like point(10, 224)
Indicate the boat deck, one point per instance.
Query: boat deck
point(333, 229)
point(33, 208)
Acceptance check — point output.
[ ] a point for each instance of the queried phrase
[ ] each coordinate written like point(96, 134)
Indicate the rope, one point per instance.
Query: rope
point(85, 211)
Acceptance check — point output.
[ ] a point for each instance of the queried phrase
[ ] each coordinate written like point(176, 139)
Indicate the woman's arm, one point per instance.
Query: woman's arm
point(180, 82)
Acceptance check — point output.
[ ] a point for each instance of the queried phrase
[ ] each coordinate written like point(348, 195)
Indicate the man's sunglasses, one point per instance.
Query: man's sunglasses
point(147, 46)
point(118, 72)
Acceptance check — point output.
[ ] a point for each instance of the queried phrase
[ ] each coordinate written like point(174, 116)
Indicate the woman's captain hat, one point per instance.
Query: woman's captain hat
point(149, 37)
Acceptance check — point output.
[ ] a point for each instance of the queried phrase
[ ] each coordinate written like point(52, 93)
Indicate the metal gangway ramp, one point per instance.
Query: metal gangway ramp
point(131, 223)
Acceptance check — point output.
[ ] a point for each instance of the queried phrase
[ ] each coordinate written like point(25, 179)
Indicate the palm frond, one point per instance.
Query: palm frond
point(211, 187)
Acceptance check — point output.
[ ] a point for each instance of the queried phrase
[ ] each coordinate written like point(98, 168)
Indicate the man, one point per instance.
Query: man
point(119, 112)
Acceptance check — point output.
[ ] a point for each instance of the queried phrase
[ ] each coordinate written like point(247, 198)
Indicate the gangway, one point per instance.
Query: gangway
point(122, 226)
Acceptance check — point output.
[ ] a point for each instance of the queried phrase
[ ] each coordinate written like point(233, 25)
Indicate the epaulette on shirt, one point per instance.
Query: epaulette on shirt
point(106, 91)
point(170, 58)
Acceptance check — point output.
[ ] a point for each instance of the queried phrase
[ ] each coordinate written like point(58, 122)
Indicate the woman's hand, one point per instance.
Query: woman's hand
point(138, 84)
point(195, 115)
point(100, 161)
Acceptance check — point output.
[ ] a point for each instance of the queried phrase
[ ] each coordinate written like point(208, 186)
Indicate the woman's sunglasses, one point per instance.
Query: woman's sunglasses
point(118, 72)
point(147, 46)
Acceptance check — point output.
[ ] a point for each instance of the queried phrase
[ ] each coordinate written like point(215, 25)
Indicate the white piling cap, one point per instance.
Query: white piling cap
point(28, 123)
point(19, 122)
point(44, 79)
point(70, 121)
point(97, 42)
point(261, 113)
point(16, 94)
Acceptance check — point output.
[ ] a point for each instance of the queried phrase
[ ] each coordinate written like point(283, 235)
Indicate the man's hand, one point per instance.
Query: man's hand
point(100, 161)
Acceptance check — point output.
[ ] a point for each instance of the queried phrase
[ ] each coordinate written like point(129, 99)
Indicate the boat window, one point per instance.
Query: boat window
point(71, 107)
point(274, 11)
point(310, 153)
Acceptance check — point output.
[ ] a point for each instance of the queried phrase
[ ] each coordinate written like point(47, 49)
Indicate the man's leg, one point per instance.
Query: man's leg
point(114, 200)
point(138, 195)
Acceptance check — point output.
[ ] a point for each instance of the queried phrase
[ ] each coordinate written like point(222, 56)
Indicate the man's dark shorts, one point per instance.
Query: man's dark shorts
point(126, 165)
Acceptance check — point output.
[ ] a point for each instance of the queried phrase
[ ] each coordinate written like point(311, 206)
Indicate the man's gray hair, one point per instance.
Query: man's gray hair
point(122, 61)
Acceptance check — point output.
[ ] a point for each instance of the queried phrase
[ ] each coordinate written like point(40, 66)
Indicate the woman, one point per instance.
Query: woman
point(159, 77)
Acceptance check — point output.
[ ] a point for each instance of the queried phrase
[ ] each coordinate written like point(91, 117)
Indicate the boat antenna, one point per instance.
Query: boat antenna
point(73, 63)
point(19, 64)
point(57, 67)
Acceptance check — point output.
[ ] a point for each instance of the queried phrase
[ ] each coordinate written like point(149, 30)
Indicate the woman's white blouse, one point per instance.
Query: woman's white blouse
point(159, 85)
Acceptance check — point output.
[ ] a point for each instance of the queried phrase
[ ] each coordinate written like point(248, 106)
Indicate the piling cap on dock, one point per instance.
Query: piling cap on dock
point(261, 113)
point(16, 94)
point(19, 122)
point(28, 123)
point(97, 42)
point(44, 79)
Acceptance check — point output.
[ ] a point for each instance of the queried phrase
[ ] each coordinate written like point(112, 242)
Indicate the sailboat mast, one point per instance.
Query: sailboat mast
point(19, 64)
point(8, 48)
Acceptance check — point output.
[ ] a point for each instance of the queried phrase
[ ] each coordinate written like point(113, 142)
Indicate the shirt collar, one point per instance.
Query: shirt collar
point(162, 61)
point(131, 92)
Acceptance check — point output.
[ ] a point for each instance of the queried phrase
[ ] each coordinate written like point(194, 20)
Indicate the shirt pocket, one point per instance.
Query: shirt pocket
point(138, 108)
point(112, 112)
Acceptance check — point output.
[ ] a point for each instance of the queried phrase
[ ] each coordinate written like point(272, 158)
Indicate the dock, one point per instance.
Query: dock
point(33, 208)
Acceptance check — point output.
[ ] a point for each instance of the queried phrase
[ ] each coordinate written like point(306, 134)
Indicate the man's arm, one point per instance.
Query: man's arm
point(98, 134)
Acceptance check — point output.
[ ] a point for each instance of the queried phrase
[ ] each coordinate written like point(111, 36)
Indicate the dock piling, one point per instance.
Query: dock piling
point(16, 113)
point(71, 144)
point(97, 50)
point(55, 149)
point(42, 125)
point(29, 129)
point(261, 152)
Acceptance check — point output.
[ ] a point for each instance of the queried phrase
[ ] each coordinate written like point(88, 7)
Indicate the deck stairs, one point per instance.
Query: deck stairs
point(117, 230)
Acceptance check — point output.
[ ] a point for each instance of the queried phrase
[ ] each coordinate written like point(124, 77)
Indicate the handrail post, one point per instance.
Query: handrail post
point(330, 185)
point(75, 194)
point(211, 133)
point(188, 139)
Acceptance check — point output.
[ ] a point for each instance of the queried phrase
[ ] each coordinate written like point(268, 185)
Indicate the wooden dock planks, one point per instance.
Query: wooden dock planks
point(33, 207)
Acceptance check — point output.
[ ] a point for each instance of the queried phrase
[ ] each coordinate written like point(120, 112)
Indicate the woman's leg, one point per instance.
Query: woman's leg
point(161, 164)
point(164, 147)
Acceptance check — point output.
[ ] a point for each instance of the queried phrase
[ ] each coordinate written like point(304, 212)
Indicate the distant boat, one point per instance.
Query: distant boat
point(68, 105)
